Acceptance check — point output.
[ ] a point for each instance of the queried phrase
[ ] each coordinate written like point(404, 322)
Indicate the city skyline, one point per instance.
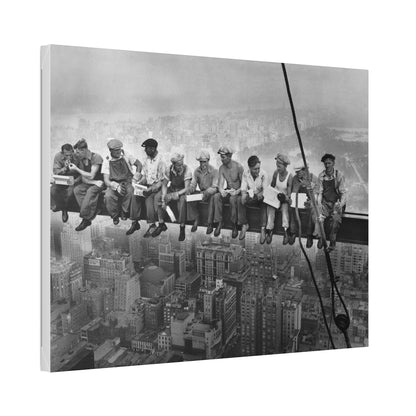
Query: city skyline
point(134, 301)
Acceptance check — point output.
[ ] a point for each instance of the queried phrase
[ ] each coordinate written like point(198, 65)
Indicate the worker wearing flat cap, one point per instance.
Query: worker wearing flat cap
point(205, 178)
point(179, 176)
point(118, 170)
point(64, 164)
point(332, 199)
point(153, 174)
point(229, 183)
point(282, 182)
point(302, 184)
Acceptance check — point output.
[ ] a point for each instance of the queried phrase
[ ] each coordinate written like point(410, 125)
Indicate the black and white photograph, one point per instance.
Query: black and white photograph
point(207, 207)
point(202, 208)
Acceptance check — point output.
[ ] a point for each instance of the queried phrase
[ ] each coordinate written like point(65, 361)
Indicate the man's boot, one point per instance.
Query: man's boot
point(217, 231)
point(195, 226)
point(181, 233)
point(135, 225)
point(84, 224)
point(262, 235)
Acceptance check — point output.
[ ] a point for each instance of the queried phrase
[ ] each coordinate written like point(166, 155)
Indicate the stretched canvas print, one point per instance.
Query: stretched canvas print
point(200, 208)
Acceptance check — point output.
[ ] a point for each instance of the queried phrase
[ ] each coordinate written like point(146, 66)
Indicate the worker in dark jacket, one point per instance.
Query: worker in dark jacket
point(118, 171)
point(64, 163)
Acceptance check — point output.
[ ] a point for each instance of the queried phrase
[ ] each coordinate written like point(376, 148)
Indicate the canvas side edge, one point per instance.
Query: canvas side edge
point(45, 66)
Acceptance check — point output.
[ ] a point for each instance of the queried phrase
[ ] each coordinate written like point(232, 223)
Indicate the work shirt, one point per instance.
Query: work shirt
point(257, 185)
point(130, 159)
point(59, 162)
point(204, 179)
point(177, 180)
point(153, 169)
point(91, 160)
point(339, 184)
point(232, 174)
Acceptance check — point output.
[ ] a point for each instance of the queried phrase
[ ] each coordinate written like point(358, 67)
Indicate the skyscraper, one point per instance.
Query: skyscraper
point(291, 324)
point(126, 290)
point(216, 259)
point(75, 245)
point(173, 261)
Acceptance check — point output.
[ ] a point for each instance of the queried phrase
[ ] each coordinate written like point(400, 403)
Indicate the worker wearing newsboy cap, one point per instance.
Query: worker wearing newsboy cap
point(118, 170)
point(179, 176)
point(205, 178)
point(229, 184)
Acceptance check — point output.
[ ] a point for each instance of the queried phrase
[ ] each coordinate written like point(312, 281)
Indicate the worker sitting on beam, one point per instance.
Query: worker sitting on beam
point(305, 185)
point(205, 177)
point(153, 174)
point(252, 187)
point(282, 181)
point(332, 199)
point(179, 176)
point(118, 172)
point(229, 184)
point(88, 191)
point(64, 163)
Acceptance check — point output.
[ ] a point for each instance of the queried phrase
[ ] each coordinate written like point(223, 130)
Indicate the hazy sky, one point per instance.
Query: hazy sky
point(88, 80)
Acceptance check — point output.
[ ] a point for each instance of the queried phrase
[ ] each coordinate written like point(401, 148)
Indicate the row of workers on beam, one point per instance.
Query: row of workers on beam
point(168, 186)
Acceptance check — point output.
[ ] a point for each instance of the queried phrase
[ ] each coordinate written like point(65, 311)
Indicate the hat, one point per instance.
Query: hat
point(283, 159)
point(114, 144)
point(225, 150)
point(176, 157)
point(203, 156)
point(150, 143)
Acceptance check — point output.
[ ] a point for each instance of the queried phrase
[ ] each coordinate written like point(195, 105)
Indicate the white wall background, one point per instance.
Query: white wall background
point(347, 34)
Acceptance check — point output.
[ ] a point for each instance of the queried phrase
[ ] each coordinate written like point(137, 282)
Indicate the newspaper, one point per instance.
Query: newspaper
point(139, 189)
point(194, 197)
point(270, 197)
point(63, 180)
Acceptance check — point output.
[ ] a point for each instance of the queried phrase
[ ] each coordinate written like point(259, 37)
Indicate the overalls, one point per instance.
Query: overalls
point(333, 218)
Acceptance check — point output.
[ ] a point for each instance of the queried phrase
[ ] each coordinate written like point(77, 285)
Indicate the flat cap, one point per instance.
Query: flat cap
point(203, 156)
point(114, 144)
point(283, 159)
point(150, 143)
point(225, 150)
point(176, 157)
